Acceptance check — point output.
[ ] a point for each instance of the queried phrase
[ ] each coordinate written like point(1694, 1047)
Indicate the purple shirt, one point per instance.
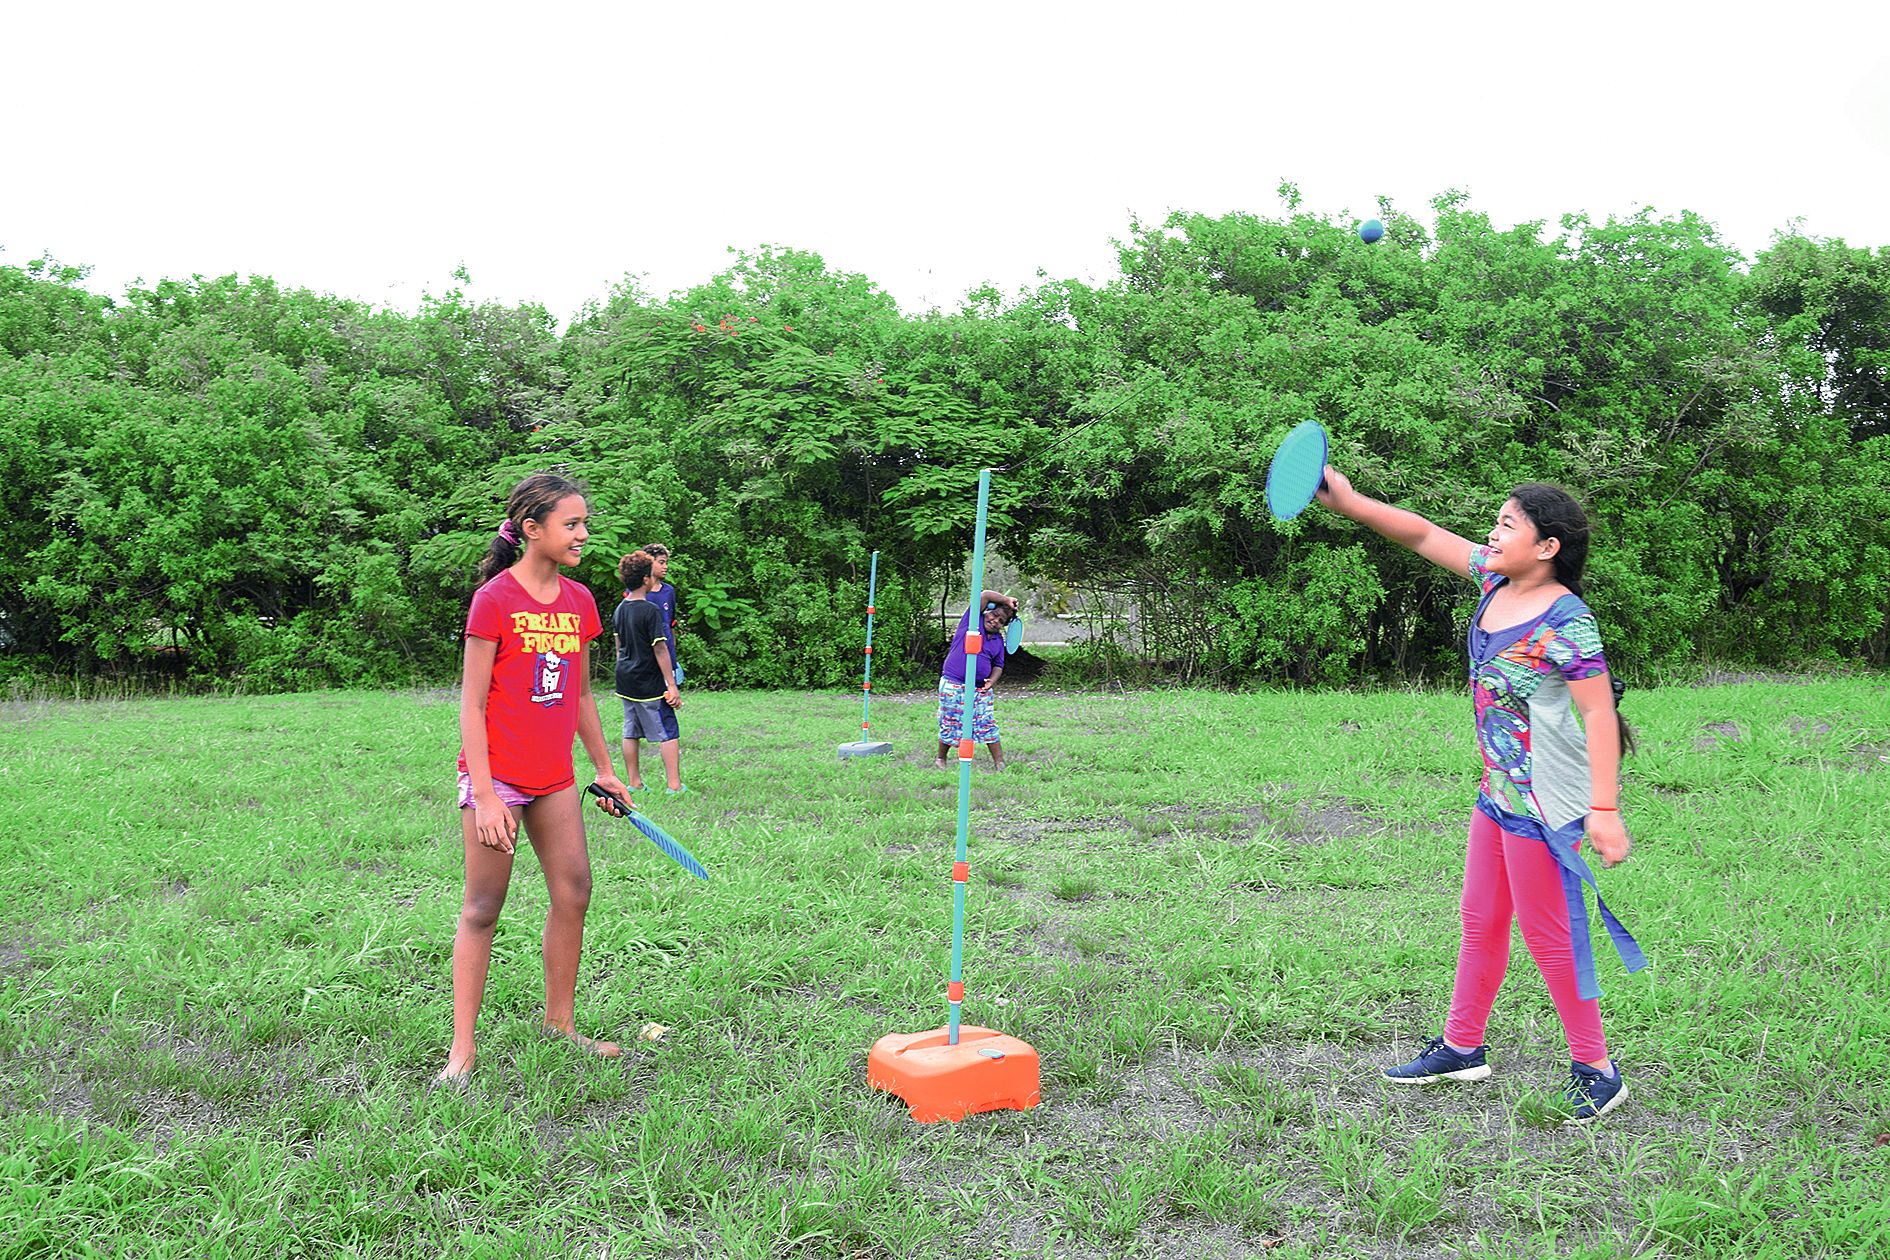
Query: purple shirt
point(664, 597)
point(990, 656)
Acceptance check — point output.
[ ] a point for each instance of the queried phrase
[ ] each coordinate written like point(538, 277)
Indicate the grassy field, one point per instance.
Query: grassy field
point(225, 928)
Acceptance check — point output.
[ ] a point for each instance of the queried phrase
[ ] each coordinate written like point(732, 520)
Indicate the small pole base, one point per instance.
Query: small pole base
point(865, 748)
point(985, 1071)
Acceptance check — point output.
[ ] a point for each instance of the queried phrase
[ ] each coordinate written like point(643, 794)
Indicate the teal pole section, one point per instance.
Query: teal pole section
point(974, 638)
point(866, 691)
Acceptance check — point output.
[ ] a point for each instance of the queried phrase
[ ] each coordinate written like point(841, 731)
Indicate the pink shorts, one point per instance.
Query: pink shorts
point(509, 796)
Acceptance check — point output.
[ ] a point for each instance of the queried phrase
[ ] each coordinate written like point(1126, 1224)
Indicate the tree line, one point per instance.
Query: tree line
point(233, 479)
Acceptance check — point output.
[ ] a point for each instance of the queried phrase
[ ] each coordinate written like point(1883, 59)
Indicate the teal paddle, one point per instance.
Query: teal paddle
point(1014, 630)
point(1297, 471)
point(651, 832)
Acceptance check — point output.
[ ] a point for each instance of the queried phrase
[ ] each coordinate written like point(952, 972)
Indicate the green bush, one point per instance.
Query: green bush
point(1308, 624)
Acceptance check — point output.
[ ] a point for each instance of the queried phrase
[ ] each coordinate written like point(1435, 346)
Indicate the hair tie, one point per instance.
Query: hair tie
point(508, 531)
point(1617, 686)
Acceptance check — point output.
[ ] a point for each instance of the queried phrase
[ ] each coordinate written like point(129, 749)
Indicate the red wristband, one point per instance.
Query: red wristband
point(1612, 809)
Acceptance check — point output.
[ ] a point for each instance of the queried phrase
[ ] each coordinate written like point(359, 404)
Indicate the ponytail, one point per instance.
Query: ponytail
point(1621, 724)
point(1555, 514)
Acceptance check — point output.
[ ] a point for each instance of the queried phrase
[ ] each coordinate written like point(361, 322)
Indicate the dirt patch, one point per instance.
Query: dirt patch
point(1064, 834)
point(1718, 733)
point(1314, 822)
point(20, 712)
point(1049, 935)
point(1159, 1096)
point(1046, 945)
point(817, 998)
point(120, 1096)
point(1237, 824)
point(1322, 822)
point(13, 954)
point(1735, 678)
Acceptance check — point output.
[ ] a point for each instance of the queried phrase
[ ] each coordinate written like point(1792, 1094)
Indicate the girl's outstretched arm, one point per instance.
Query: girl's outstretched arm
point(1436, 544)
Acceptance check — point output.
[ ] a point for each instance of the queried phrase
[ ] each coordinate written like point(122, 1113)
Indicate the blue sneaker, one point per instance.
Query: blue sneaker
point(1439, 1062)
point(675, 791)
point(1593, 1093)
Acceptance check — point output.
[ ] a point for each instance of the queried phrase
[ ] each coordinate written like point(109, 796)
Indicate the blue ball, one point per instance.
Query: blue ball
point(1370, 230)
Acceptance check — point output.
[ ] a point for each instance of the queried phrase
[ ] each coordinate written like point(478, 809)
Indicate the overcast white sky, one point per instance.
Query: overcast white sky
point(368, 149)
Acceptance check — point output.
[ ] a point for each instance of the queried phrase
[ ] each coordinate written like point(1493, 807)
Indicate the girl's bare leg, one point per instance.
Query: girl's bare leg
point(488, 873)
point(555, 824)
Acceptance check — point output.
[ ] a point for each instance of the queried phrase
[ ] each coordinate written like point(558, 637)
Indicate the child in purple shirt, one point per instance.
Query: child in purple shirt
point(998, 611)
point(664, 597)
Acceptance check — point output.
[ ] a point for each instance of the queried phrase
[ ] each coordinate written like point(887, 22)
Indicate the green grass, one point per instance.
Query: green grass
point(225, 928)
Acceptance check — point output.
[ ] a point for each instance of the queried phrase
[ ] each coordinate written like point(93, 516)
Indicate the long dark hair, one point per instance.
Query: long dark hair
point(531, 500)
point(1555, 514)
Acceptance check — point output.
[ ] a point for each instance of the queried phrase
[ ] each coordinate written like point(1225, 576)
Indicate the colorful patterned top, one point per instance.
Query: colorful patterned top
point(1535, 752)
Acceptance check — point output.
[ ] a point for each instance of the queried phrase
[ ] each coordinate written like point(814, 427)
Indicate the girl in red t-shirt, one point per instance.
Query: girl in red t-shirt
point(524, 693)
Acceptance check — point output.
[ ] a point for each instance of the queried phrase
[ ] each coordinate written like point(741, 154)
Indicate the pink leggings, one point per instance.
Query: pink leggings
point(1507, 876)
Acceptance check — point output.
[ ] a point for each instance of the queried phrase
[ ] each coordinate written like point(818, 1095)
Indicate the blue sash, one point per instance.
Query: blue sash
point(1575, 873)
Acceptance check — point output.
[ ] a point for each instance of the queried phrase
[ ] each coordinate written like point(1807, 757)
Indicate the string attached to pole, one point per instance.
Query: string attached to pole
point(1133, 396)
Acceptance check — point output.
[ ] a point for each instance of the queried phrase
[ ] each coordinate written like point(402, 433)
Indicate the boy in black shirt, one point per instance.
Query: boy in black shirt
point(646, 675)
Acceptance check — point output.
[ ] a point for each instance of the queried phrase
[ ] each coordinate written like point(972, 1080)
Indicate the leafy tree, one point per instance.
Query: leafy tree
point(293, 488)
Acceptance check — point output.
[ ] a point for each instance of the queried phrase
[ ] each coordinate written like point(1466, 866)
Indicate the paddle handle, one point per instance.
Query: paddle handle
point(613, 798)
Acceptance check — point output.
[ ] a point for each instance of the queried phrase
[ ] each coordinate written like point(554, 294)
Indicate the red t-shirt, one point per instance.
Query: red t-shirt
point(532, 706)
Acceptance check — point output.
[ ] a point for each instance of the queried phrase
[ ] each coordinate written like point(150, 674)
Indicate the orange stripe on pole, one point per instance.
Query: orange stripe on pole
point(869, 649)
point(869, 608)
point(961, 871)
point(974, 642)
point(964, 750)
point(955, 991)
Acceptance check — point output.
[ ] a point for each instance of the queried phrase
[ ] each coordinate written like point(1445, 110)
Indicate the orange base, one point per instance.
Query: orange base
point(985, 1071)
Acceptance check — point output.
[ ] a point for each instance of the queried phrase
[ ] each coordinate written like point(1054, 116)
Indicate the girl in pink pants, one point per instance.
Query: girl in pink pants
point(1551, 741)
point(1509, 875)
